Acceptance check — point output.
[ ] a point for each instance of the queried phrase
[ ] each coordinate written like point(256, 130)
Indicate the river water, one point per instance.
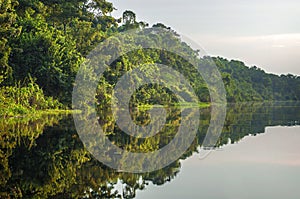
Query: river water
point(257, 156)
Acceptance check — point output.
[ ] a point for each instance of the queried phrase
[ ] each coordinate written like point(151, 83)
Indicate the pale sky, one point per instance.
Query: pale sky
point(265, 33)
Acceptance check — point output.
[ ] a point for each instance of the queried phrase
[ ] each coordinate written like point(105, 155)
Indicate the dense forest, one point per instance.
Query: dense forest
point(253, 84)
point(43, 43)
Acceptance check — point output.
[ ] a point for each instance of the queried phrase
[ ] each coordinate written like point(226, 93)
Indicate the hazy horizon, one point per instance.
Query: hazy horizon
point(261, 33)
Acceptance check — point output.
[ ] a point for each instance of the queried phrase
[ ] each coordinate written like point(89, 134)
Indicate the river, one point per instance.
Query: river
point(256, 156)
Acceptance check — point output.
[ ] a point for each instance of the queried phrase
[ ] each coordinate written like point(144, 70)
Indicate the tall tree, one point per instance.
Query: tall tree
point(7, 31)
point(46, 54)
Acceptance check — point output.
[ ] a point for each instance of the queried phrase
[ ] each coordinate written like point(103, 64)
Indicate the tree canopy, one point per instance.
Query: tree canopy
point(47, 41)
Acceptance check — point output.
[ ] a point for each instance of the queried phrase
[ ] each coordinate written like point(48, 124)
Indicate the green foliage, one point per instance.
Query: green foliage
point(48, 40)
point(45, 54)
point(253, 84)
point(85, 35)
point(53, 38)
point(7, 32)
point(19, 100)
point(129, 21)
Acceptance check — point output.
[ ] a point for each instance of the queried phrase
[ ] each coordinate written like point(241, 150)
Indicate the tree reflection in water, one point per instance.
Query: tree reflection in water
point(44, 157)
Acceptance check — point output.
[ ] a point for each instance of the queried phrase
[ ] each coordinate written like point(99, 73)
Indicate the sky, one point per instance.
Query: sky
point(264, 33)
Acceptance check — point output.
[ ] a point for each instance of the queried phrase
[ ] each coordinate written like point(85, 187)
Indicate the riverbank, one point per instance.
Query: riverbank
point(35, 113)
point(19, 101)
point(177, 105)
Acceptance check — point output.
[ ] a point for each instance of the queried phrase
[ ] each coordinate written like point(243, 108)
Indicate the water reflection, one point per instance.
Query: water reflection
point(45, 158)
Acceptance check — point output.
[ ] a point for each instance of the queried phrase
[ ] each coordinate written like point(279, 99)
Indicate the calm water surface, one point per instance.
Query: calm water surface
point(262, 166)
point(257, 156)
